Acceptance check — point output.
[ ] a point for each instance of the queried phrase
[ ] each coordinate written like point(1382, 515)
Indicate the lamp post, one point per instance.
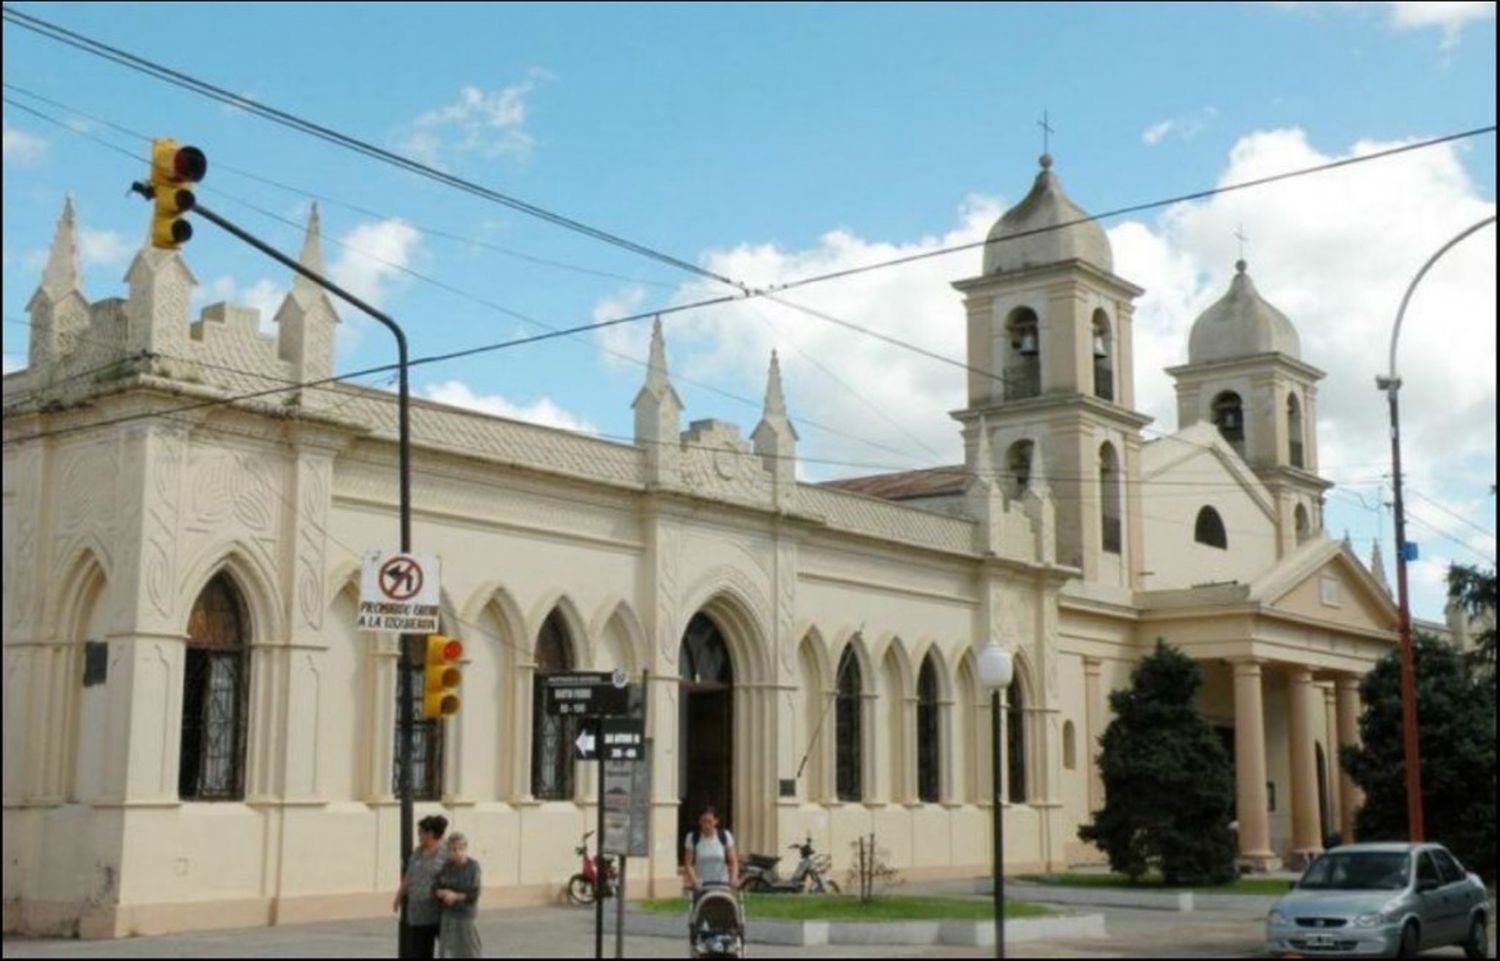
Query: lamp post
point(1392, 385)
point(995, 669)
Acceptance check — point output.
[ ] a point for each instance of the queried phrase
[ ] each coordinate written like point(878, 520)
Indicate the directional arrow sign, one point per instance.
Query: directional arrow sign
point(584, 749)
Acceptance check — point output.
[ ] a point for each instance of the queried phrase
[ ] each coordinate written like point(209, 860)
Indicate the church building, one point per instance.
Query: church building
point(197, 734)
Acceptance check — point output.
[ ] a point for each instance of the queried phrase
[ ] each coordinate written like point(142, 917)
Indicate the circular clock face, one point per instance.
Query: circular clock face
point(726, 461)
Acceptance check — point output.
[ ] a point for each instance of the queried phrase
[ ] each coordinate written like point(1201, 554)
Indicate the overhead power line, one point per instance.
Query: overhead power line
point(284, 118)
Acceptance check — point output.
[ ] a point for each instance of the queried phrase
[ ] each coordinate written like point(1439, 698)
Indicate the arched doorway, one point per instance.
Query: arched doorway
point(705, 726)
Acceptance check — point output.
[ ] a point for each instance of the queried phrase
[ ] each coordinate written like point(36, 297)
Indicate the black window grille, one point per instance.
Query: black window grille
point(551, 736)
point(1015, 739)
point(849, 724)
point(426, 747)
point(929, 735)
point(215, 696)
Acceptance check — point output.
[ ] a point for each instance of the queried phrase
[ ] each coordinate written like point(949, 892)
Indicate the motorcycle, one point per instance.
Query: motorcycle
point(581, 886)
point(759, 875)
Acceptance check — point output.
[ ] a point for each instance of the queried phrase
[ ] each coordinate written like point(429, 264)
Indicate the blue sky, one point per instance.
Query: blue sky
point(777, 140)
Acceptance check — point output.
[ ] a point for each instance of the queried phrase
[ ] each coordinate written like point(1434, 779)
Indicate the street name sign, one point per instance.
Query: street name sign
point(588, 694)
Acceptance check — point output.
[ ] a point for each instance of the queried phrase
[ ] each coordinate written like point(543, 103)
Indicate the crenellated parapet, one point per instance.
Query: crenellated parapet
point(79, 349)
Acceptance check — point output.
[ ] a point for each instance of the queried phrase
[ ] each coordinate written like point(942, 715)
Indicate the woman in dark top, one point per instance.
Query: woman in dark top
point(423, 910)
point(457, 887)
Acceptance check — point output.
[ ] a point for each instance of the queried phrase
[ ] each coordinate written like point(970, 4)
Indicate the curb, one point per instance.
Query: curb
point(1181, 901)
point(907, 933)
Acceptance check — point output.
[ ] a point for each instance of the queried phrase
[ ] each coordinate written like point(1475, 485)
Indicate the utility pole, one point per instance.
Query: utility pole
point(1391, 384)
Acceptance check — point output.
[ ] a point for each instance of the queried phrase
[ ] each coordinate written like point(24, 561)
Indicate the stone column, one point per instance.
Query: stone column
point(1094, 723)
point(1252, 805)
point(1306, 839)
point(1335, 765)
point(1350, 796)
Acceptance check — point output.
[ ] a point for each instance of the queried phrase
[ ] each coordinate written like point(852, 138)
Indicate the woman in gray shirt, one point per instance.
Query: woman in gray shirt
point(457, 887)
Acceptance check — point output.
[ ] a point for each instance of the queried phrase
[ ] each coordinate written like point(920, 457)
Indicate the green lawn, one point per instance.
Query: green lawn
point(1238, 886)
point(817, 907)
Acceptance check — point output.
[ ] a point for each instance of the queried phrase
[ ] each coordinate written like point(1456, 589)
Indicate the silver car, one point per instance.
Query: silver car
point(1381, 900)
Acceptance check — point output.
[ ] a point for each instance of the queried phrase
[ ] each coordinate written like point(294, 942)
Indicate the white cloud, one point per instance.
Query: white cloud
point(372, 256)
point(491, 123)
point(12, 363)
point(1185, 127)
point(104, 247)
point(542, 411)
point(1334, 251)
point(22, 149)
point(1451, 18)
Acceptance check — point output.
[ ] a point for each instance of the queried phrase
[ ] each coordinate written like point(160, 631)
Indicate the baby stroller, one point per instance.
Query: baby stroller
point(716, 925)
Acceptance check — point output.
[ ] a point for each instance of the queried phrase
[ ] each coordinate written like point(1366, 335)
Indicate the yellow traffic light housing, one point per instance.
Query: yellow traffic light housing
point(173, 166)
point(441, 676)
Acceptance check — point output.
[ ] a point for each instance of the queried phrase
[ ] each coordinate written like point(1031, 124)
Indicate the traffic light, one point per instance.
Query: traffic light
point(172, 167)
point(441, 676)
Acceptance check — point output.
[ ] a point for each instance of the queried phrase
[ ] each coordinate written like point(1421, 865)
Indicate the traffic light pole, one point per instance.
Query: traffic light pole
point(403, 408)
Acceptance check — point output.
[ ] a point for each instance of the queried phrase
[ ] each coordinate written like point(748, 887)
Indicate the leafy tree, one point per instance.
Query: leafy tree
point(1456, 743)
point(1168, 784)
point(1474, 591)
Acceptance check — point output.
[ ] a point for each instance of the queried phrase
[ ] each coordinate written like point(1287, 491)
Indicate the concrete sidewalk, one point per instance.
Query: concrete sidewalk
point(549, 932)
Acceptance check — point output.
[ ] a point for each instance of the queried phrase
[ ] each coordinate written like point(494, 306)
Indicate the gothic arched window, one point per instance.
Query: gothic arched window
point(1109, 498)
point(929, 734)
point(1229, 417)
point(215, 696)
point(551, 736)
point(850, 728)
point(1102, 348)
point(1209, 529)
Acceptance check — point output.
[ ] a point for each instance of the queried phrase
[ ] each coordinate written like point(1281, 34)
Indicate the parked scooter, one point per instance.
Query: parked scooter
point(759, 875)
point(581, 885)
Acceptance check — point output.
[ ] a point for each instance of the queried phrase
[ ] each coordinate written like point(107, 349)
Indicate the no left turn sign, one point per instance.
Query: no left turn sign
point(400, 592)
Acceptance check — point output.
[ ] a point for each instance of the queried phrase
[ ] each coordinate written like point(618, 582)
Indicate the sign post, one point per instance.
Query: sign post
point(602, 698)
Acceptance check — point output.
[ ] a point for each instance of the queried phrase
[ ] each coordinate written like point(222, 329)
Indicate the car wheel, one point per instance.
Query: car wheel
point(1478, 944)
point(1411, 942)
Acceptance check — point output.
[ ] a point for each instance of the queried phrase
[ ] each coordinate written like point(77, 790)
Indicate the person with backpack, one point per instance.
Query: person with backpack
point(709, 854)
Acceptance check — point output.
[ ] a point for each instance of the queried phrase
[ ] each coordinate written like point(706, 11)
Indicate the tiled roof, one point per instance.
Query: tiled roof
point(932, 482)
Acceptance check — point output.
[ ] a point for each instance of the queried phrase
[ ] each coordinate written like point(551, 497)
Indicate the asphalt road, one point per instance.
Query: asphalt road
point(568, 933)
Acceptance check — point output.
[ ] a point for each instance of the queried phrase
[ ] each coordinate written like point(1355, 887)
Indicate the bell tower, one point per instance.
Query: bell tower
point(1245, 374)
point(1049, 351)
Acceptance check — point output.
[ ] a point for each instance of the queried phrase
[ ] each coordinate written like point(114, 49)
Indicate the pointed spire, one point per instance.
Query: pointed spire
point(775, 399)
point(62, 275)
point(1377, 567)
point(312, 244)
point(311, 258)
point(656, 370)
point(984, 461)
point(1348, 541)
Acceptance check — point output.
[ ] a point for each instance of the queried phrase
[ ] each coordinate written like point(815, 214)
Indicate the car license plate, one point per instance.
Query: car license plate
point(1320, 940)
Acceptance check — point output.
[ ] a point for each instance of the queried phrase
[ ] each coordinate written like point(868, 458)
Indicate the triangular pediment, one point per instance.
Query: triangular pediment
point(1323, 580)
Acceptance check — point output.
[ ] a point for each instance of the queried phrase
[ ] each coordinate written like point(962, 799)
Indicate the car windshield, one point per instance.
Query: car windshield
point(1358, 871)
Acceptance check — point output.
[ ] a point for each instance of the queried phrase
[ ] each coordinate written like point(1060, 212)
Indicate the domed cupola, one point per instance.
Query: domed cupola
point(1241, 324)
point(1047, 205)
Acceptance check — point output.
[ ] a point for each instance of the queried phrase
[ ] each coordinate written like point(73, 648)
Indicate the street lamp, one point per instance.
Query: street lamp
point(995, 670)
point(1392, 385)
